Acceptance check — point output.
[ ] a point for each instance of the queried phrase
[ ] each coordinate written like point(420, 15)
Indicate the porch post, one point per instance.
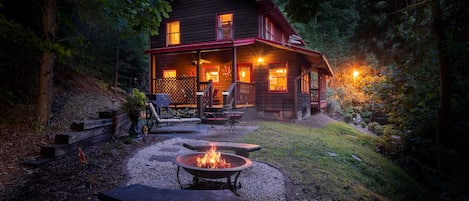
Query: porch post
point(197, 80)
point(197, 69)
point(233, 78)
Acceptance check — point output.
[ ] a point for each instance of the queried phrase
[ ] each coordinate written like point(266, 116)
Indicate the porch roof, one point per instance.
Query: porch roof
point(314, 57)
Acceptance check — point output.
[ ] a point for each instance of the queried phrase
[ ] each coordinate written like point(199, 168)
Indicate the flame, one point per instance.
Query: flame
point(212, 159)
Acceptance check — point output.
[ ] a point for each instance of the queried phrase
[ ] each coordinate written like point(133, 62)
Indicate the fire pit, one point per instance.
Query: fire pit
point(213, 165)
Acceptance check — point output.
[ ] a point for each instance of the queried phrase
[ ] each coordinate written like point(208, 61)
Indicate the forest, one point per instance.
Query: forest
point(401, 66)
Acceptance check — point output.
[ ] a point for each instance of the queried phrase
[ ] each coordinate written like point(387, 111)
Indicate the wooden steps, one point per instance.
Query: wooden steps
point(87, 132)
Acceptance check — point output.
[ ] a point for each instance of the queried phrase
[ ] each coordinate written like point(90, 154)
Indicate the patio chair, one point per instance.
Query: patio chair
point(154, 116)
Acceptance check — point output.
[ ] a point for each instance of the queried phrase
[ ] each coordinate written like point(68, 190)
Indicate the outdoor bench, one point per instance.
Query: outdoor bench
point(141, 192)
point(241, 149)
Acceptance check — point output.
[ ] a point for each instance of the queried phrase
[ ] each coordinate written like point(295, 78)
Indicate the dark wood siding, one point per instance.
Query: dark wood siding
point(266, 100)
point(198, 20)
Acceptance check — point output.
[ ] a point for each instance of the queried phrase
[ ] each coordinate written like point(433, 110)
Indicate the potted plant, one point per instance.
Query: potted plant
point(134, 105)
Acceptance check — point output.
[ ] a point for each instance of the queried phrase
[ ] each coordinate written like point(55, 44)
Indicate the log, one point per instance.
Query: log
point(76, 136)
point(87, 124)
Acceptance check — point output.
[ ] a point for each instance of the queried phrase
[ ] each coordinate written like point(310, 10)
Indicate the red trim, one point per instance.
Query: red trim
point(314, 55)
point(251, 71)
point(204, 45)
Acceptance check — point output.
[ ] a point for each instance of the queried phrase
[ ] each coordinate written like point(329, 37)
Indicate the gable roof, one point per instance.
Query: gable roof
point(268, 7)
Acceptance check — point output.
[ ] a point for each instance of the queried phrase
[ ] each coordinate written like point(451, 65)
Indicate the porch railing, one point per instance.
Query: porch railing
point(181, 89)
point(318, 97)
point(205, 97)
point(245, 93)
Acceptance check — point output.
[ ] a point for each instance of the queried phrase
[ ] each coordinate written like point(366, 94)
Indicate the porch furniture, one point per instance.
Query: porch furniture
point(160, 100)
point(233, 118)
point(155, 117)
point(242, 149)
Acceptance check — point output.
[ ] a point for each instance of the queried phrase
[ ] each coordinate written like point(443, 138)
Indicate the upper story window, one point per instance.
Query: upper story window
point(173, 35)
point(225, 26)
point(277, 78)
point(269, 29)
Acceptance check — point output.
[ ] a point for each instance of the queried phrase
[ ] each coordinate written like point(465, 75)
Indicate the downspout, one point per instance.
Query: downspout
point(295, 86)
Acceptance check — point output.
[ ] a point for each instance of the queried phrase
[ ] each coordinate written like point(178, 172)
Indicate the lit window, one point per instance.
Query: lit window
point(225, 26)
point(173, 33)
point(244, 73)
point(277, 77)
point(169, 73)
point(211, 73)
point(305, 83)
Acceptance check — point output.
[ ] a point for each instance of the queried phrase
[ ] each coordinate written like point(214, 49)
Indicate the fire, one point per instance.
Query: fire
point(212, 159)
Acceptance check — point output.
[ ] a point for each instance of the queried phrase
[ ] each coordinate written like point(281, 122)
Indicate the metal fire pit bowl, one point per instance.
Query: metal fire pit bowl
point(189, 163)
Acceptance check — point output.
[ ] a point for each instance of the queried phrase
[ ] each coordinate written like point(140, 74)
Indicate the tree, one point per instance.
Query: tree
point(140, 16)
point(49, 24)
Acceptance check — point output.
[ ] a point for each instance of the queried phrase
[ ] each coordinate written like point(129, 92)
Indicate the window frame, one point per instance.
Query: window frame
point(269, 78)
point(220, 28)
point(173, 34)
point(204, 73)
point(238, 70)
point(169, 70)
point(269, 28)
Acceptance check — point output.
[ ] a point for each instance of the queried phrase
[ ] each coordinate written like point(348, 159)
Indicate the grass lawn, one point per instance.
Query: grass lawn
point(335, 162)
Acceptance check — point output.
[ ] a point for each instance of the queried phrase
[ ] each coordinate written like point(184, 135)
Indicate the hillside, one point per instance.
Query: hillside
point(76, 96)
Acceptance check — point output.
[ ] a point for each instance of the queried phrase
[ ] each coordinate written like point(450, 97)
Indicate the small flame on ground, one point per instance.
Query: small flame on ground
point(212, 159)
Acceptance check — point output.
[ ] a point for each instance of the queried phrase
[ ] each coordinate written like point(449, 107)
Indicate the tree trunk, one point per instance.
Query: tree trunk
point(49, 24)
point(444, 105)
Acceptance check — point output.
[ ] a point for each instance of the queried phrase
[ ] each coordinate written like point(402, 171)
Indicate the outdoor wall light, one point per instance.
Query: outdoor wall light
point(225, 93)
point(260, 60)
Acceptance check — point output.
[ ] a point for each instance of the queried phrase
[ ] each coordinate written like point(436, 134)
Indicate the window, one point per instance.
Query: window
point(269, 29)
point(244, 73)
point(305, 83)
point(169, 73)
point(277, 77)
point(173, 33)
point(211, 73)
point(225, 26)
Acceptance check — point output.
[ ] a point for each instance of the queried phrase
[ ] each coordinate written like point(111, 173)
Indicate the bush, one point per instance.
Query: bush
point(363, 124)
point(348, 117)
point(372, 126)
point(379, 130)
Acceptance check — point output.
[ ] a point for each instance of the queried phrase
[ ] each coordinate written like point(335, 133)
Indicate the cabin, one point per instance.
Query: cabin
point(242, 54)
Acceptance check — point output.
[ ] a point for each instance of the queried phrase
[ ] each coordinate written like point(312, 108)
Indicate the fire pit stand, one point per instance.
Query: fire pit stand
point(230, 185)
point(189, 163)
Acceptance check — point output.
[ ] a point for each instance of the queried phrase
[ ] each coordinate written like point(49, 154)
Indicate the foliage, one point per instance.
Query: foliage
point(140, 15)
point(135, 102)
point(394, 46)
point(304, 155)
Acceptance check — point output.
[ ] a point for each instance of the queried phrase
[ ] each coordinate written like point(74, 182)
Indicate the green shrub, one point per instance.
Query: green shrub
point(363, 124)
point(372, 126)
point(348, 117)
point(379, 130)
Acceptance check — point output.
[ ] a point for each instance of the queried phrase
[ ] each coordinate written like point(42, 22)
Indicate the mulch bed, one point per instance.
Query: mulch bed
point(65, 178)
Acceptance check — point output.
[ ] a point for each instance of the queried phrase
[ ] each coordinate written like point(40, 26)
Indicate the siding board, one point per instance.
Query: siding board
point(200, 24)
